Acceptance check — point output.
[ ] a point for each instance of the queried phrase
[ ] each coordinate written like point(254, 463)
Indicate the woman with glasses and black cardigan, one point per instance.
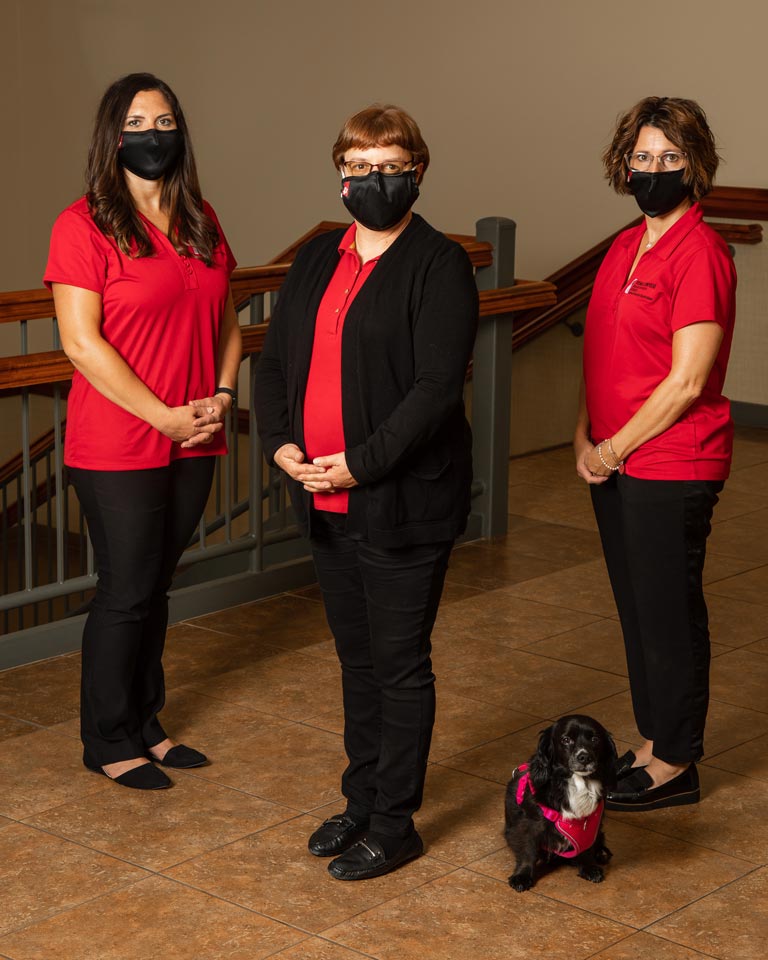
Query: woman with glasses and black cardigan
point(359, 399)
point(654, 436)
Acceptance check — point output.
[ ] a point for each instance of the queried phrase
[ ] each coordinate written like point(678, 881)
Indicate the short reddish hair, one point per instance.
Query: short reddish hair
point(381, 125)
point(683, 123)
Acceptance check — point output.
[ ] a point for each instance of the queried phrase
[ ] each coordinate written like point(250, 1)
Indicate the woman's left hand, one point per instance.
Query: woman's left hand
point(211, 409)
point(336, 473)
point(588, 463)
point(595, 465)
point(208, 410)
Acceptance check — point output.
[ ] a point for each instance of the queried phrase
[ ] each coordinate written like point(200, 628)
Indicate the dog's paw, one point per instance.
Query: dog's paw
point(602, 855)
point(593, 874)
point(521, 881)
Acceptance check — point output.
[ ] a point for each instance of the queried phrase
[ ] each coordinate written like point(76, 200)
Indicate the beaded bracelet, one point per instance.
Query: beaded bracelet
point(603, 460)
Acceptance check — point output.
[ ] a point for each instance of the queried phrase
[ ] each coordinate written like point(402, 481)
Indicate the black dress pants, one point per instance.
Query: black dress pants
point(381, 605)
point(139, 522)
point(654, 535)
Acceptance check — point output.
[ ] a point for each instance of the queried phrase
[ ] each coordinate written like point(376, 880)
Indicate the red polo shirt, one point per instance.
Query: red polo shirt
point(323, 422)
point(162, 314)
point(687, 277)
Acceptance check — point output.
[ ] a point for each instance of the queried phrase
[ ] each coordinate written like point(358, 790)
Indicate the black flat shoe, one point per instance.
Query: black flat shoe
point(624, 764)
point(180, 758)
point(367, 859)
point(336, 835)
point(145, 777)
point(637, 792)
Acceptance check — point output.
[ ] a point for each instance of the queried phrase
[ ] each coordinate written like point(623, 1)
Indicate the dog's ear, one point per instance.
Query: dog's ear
point(543, 760)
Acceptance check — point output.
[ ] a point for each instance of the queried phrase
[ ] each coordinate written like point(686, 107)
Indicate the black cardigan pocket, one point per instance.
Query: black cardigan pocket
point(426, 492)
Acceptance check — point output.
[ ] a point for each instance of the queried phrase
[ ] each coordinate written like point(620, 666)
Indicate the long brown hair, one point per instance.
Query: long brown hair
point(683, 123)
point(109, 199)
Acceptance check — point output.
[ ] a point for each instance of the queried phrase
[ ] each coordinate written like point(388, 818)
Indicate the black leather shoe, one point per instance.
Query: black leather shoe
point(145, 777)
point(637, 792)
point(336, 835)
point(367, 859)
point(180, 757)
point(624, 764)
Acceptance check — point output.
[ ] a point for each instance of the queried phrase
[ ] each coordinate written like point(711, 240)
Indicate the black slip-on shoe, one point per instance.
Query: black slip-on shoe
point(336, 835)
point(637, 792)
point(366, 858)
point(145, 777)
point(624, 764)
point(180, 758)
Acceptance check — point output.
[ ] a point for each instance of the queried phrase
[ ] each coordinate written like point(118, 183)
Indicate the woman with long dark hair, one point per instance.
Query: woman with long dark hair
point(139, 268)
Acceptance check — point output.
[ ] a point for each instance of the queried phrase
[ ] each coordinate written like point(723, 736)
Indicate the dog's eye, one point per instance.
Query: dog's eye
point(566, 741)
point(595, 739)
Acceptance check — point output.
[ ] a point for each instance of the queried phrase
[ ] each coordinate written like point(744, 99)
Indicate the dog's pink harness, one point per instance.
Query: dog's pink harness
point(580, 832)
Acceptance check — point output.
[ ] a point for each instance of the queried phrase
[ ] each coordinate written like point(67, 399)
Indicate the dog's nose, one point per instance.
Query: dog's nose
point(582, 756)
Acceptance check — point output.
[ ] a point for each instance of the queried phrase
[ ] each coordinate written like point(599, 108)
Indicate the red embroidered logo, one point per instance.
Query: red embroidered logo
point(345, 190)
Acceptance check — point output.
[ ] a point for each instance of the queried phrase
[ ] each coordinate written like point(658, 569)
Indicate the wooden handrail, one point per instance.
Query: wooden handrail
point(743, 203)
point(12, 467)
point(20, 305)
point(53, 366)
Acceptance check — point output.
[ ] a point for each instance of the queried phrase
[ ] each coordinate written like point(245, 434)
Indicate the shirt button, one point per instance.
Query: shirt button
point(337, 309)
point(346, 291)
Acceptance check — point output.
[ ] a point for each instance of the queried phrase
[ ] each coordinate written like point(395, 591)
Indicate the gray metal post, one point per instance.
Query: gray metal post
point(492, 382)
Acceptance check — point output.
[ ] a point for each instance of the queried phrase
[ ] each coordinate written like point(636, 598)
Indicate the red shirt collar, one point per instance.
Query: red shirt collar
point(672, 239)
point(347, 244)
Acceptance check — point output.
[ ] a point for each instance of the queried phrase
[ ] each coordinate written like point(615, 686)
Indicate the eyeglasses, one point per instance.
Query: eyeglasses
point(669, 160)
point(389, 168)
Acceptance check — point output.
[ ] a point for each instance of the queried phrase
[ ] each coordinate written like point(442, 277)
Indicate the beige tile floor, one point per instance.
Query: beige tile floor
point(217, 867)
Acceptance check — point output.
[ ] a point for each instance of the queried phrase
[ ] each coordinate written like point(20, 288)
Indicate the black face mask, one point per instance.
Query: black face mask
point(658, 193)
point(150, 154)
point(379, 202)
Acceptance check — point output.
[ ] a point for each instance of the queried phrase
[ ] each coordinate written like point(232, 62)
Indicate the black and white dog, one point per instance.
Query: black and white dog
point(554, 803)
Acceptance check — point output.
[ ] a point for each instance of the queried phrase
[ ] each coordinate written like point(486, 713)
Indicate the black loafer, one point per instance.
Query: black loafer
point(180, 757)
point(336, 835)
point(145, 777)
point(637, 792)
point(367, 859)
point(624, 764)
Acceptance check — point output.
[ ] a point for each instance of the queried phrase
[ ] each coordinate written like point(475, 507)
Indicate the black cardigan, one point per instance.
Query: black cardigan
point(406, 343)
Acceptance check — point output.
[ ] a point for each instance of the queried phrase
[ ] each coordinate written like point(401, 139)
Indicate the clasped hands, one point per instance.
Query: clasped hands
point(322, 475)
point(589, 466)
point(196, 422)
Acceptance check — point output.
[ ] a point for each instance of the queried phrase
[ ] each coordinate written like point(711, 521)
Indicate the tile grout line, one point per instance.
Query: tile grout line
point(295, 814)
point(708, 760)
point(704, 896)
point(701, 846)
point(293, 926)
point(707, 956)
point(449, 873)
point(60, 911)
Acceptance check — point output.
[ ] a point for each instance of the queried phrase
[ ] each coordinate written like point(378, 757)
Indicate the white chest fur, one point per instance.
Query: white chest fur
point(583, 796)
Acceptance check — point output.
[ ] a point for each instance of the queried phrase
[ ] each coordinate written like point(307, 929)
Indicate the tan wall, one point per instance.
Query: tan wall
point(747, 379)
point(516, 101)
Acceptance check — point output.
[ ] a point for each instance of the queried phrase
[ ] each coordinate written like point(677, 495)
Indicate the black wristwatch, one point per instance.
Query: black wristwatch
point(228, 391)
